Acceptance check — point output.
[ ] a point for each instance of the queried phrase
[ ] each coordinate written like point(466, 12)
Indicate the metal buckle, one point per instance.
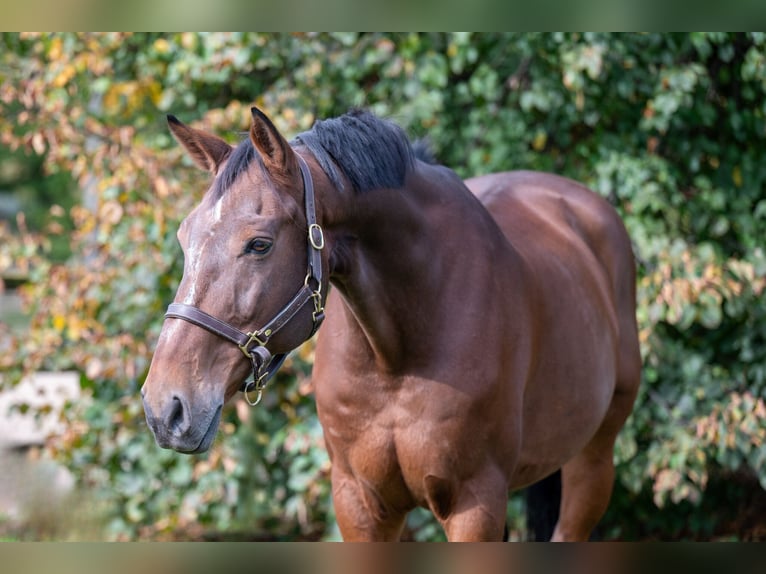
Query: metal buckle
point(317, 244)
point(254, 337)
point(318, 308)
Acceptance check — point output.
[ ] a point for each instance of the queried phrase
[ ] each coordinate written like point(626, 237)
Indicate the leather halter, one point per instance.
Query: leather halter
point(253, 343)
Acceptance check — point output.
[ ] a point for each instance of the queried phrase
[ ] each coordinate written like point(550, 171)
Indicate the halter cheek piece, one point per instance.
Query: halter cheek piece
point(253, 343)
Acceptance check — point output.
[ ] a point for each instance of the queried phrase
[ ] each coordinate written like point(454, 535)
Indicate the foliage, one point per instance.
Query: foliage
point(267, 475)
point(26, 188)
point(669, 127)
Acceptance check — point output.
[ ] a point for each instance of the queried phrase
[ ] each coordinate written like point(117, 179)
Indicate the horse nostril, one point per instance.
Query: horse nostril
point(177, 420)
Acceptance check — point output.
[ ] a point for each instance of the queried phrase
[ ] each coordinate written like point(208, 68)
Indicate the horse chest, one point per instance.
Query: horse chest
point(390, 444)
point(368, 456)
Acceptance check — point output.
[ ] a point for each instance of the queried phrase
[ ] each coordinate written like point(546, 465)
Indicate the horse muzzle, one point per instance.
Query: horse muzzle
point(176, 425)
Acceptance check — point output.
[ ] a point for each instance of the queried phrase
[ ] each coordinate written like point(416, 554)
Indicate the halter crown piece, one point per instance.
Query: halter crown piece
point(253, 343)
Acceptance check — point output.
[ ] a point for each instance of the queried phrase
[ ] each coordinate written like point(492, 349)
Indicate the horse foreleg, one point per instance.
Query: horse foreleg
point(472, 512)
point(476, 522)
point(361, 516)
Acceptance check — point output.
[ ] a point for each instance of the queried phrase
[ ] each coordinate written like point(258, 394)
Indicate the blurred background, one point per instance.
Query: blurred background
point(670, 128)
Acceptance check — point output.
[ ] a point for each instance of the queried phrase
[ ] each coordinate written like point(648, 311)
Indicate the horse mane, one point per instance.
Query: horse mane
point(423, 151)
point(371, 152)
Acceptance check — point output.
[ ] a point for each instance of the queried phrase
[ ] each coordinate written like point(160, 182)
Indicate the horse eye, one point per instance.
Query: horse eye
point(258, 246)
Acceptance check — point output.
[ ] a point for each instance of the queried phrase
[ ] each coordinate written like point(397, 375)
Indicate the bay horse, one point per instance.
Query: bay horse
point(479, 335)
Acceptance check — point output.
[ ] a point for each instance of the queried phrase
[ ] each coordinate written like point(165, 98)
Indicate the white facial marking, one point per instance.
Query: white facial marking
point(195, 252)
point(193, 255)
point(217, 211)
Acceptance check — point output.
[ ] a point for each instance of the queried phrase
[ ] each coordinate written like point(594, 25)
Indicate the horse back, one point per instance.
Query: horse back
point(530, 206)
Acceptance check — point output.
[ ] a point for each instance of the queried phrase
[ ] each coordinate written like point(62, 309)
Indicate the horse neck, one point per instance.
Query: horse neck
point(401, 260)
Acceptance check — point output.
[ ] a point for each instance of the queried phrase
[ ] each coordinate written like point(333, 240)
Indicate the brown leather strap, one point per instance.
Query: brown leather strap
point(287, 313)
point(201, 319)
point(316, 236)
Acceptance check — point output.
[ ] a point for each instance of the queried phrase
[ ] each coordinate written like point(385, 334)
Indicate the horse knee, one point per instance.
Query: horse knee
point(475, 520)
point(476, 524)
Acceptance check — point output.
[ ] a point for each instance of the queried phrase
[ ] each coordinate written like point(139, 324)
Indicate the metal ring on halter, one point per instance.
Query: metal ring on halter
point(259, 388)
point(260, 357)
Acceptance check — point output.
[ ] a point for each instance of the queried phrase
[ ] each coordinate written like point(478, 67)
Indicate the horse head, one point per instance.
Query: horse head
point(245, 277)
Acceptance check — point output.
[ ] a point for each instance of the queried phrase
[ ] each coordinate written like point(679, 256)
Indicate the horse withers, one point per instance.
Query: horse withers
point(479, 335)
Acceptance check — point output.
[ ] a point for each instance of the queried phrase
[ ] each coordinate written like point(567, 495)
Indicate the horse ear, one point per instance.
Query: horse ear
point(277, 154)
point(207, 151)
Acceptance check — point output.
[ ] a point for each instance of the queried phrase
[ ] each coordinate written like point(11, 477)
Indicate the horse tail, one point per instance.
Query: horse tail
point(543, 500)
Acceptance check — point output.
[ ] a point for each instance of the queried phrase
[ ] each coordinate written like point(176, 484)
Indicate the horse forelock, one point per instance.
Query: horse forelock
point(238, 162)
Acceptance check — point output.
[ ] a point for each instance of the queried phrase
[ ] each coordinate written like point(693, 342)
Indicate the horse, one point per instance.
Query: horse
point(476, 336)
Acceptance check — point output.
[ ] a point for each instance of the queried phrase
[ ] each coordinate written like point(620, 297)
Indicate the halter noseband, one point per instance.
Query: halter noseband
point(253, 343)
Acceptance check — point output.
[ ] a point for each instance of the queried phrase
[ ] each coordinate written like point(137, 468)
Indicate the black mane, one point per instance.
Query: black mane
point(371, 152)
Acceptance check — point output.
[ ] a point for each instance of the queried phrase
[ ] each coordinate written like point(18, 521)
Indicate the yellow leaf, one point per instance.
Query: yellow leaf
point(162, 46)
point(155, 93)
point(75, 327)
point(112, 98)
point(64, 76)
point(59, 322)
point(54, 50)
